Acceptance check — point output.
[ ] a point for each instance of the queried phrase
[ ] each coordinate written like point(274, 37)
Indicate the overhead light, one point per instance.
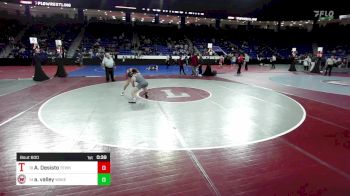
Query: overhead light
point(26, 2)
point(125, 7)
point(342, 17)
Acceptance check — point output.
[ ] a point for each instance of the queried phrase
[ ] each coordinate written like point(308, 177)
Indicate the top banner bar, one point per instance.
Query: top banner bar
point(33, 156)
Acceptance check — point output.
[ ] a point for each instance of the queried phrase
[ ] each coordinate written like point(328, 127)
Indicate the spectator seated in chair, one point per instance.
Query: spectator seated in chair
point(152, 67)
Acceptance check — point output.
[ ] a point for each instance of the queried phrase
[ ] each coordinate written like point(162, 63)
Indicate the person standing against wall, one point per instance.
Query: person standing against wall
point(330, 63)
point(181, 65)
point(273, 61)
point(246, 61)
point(240, 62)
point(194, 64)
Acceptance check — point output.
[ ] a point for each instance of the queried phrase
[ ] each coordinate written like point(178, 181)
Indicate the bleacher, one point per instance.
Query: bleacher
point(165, 40)
point(102, 36)
point(9, 29)
point(46, 33)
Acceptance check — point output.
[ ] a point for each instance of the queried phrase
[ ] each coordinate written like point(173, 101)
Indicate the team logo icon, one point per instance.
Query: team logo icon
point(21, 179)
point(176, 94)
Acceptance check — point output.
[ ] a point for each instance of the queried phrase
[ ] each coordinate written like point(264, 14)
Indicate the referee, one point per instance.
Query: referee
point(108, 64)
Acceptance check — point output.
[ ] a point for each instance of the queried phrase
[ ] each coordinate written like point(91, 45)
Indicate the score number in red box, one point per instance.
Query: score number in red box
point(104, 167)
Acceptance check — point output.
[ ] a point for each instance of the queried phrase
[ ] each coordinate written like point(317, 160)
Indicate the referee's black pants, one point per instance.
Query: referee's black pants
point(329, 70)
point(109, 72)
point(239, 68)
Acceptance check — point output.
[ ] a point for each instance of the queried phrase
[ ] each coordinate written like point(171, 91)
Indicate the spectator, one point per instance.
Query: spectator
point(330, 63)
point(246, 61)
point(233, 59)
point(221, 61)
point(273, 60)
point(181, 65)
point(194, 64)
point(240, 62)
point(307, 63)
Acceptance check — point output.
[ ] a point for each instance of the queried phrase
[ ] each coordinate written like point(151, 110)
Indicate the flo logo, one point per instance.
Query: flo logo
point(21, 179)
point(324, 13)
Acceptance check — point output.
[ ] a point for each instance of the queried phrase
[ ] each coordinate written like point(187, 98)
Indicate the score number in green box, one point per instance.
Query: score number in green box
point(104, 179)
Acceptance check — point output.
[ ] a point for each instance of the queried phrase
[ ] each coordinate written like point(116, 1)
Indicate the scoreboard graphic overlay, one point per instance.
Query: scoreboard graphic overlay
point(63, 169)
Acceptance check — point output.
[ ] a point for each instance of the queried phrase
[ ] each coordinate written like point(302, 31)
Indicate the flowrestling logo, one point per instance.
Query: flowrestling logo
point(46, 3)
point(52, 4)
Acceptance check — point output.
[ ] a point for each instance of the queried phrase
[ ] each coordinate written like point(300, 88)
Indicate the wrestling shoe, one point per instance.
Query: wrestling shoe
point(133, 100)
